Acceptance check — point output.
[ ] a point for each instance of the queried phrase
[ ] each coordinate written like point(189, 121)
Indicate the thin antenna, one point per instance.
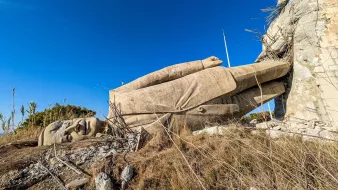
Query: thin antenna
point(226, 49)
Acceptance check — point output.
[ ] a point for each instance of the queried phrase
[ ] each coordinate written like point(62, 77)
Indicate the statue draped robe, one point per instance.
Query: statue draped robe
point(199, 92)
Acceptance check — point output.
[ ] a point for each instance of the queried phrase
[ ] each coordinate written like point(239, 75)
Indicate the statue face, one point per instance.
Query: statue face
point(84, 128)
point(71, 130)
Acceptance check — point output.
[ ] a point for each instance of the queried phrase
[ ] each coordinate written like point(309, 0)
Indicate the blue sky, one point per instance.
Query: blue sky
point(80, 49)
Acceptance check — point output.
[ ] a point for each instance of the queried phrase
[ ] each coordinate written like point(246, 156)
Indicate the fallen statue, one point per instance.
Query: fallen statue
point(195, 93)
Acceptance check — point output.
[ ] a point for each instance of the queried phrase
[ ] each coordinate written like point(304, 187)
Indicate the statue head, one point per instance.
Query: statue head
point(71, 130)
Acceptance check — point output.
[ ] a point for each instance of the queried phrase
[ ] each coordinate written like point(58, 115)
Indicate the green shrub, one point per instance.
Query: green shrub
point(57, 112)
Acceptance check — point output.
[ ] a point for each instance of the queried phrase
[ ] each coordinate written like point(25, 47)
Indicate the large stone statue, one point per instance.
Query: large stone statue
point(196, 93)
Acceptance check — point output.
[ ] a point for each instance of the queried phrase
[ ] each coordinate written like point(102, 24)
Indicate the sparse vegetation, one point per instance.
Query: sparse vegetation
point(57, 112)
point(260, 116)
point(238, 160)
point(24, 134)
point(31, 127)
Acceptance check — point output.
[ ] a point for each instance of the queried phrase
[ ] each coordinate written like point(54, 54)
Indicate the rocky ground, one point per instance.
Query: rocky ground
point(66, 166)
point(306, 129)
point(219, 157)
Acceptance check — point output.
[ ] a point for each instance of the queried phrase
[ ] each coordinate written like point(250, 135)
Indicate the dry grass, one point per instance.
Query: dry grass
point(238, 160)
point(27, 134)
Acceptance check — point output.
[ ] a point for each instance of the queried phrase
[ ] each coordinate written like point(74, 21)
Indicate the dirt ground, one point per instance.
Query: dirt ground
point(235, 160)
point(22, 155)
point(18, 155)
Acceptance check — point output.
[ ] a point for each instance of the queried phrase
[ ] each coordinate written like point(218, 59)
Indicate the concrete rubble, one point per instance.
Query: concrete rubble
point(78, 158)
point(312, 129)
point(23, 178)
point(307, 130)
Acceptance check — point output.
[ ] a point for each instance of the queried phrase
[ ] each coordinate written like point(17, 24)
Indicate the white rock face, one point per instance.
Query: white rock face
point(310, 27)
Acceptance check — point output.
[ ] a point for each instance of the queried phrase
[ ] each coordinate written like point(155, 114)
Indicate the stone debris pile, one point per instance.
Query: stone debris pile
point(308, 129)
point(23, 178)
point(312, 129)
point(71, 167)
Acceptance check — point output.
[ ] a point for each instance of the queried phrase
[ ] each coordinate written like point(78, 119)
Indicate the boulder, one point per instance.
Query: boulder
point(127, 175)
point(103, 182)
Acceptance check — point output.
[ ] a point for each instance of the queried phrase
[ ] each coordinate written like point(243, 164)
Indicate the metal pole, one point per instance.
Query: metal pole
point(226, 49)
point(270, 111)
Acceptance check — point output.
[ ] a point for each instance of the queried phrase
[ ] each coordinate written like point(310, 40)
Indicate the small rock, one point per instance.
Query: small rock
point(77, 183)
point(263, 125)
point(53, 161)
point(72, 156)
point(254, 121)
point(313, 132)
point(127, 175)
point(99, 135)
point(103, 182)
point(328, 135)
point(255, 132)
point(302, 130)
point(113, 152)
point(48, 156)
point(274, 134)
point(216, 130)
point(277, 128)
point(79, 162)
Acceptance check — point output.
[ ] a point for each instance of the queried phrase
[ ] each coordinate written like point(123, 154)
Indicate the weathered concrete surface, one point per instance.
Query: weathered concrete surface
point(310, 27)
point(327, 72)
point(194, 94)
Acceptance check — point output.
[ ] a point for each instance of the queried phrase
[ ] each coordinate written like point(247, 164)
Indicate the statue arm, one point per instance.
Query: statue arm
point(170, 73)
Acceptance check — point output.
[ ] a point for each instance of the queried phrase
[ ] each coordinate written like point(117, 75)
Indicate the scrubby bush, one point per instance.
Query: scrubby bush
point(259, 116)
point(57, 112)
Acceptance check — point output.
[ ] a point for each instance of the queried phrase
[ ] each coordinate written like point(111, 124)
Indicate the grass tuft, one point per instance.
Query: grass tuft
point(25, 134)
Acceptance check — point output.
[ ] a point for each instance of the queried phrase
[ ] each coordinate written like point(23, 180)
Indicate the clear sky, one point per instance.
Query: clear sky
point(80, 49)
